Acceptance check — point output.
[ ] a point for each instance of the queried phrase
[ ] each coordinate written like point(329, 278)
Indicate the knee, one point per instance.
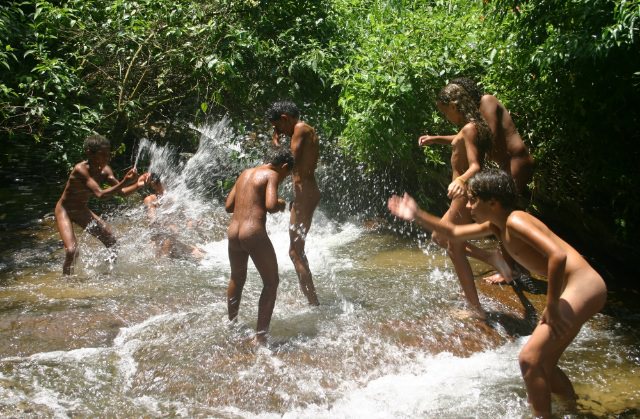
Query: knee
point(293, 254)
point(529, 361)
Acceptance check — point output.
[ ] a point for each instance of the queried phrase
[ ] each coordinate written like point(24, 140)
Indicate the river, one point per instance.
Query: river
point(147, 335)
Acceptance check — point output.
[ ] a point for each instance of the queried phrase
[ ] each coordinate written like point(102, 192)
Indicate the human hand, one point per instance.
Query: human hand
point(425, 140)
point(142, 180)
point(131, 174)
point(404, 208)
point(456, 189)
point(558, 324)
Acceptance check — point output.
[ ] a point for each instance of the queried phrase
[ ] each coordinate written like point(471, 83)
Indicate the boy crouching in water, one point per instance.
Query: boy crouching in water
point(575, 293)
point(84, 181)
point(254, 194)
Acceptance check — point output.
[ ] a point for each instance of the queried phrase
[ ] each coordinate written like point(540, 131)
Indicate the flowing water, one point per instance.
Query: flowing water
point(148, 336)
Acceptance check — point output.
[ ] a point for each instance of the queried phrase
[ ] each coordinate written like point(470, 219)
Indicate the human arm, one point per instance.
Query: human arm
point(524, 227)
point(426, 140)
point(407, 209)
point(272, 202)
point(230, 203)
point(95, 188)
point(275, 138)
point(457, 188)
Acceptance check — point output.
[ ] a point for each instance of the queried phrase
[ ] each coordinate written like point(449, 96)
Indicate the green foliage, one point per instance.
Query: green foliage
point(569, 73)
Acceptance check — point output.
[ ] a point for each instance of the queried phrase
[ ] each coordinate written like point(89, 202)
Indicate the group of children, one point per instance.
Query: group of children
point(483, 203)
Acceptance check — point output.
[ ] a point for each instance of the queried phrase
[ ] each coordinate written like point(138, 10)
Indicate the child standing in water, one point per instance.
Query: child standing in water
point(254, 194)
point(284, 116)
point(508, 151)
point(576, 292)
point(469, 149)
point(84, 181)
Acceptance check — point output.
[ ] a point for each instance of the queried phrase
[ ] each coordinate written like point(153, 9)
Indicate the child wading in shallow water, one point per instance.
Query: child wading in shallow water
point(84, 181)
point(470, 147)
point(508, 150)
point(254, 194)
point(575, 293)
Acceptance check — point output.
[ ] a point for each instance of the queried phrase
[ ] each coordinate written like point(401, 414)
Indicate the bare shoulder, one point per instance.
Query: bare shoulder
point(148, 200)
point(304, 129)
point(522, 221)
point(490, 100)
point(469, 129)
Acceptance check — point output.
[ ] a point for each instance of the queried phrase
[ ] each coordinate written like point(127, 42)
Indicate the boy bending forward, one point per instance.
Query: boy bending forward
point(575, 293)
point(254, 194)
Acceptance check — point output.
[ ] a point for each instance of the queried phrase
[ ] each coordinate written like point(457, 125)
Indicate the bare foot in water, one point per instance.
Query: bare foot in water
point(497, 278)
point(504, 274)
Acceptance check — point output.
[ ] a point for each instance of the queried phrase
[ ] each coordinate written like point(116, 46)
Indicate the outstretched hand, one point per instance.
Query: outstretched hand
point(425, 140)
point(404, 208)
point(552, 317)
point(133, 173)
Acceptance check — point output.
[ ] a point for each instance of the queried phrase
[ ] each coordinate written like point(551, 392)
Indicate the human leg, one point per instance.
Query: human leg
point(300, 223)
point(98, 228)
point(238, 259)
point(457, 214)
point(65, 228)
point(264, 258)
point(584, 295)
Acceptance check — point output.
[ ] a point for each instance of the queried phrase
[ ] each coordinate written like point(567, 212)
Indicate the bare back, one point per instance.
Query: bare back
point(507, 141)
point(525, 254)
point(250, 199)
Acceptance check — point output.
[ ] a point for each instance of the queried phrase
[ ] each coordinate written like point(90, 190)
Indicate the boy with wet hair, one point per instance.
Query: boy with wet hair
point(254, 194)
point(284, 116)
point(84, 181)
point(576, 292)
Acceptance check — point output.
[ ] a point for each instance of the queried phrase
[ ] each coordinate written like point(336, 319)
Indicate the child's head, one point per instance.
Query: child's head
point(279, 156)
point(277, 109)
point(459, 108)
point(494, 184)
point(471, 87)
point(95, 143)
point(98, 150)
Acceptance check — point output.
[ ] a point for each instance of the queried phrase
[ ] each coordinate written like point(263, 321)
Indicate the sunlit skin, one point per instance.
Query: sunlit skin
point(84, 182)
point(306, 151)
point(509, 152)
point(575, 292)
point(254, 194)
point(465, 162)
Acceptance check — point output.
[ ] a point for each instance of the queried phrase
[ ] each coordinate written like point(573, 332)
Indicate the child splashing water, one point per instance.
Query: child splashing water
point(576, 292)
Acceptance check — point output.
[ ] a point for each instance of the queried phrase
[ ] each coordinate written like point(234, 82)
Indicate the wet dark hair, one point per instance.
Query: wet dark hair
point(471, 87)
point(154, 177)
point(279, 155)
point(496, 184)
point(469, 109)
point(96, 142)
point(282, 107)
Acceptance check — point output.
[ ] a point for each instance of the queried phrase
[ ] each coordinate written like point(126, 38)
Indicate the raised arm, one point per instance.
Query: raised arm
point(230, 203)
point(426, 140)
point(407, 209)
point(95, 188)
point(272, 202)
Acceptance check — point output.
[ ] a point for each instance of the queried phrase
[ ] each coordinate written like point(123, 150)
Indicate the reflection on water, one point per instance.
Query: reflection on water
point(148, 336)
